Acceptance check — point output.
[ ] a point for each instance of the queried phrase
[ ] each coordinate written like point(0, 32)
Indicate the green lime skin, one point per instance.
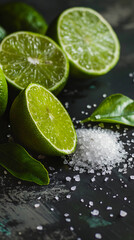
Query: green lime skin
point(88, 40)
point(3, 93)
point(19, 16)
point(40, 122)
point(2, 33)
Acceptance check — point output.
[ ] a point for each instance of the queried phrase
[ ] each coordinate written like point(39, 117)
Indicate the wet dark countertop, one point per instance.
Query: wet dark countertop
point(54, 212)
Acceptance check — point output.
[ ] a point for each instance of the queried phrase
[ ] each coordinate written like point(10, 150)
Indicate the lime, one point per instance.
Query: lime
point(40, 122)
point(30, 57)
point(3, 93)
point(2, 33)
point(88, 41)
point(19, 16)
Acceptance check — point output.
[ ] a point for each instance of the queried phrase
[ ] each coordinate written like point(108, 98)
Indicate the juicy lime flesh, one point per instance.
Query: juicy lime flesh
point(51, 118)
point(27, 58)
point(87, 40)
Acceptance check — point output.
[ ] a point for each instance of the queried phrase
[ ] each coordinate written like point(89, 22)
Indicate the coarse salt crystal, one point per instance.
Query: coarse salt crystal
point(123, 213)
point(98, 236)
point(95, 212)
point(132, 177)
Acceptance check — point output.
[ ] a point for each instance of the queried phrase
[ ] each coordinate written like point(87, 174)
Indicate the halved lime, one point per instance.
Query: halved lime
point(29, 57)
point(19, 16)
point(40, 122)
point(87, 39)
point(3, 93)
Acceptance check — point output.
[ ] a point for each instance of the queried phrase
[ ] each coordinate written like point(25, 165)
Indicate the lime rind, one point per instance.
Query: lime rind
point(56, 86)
point(3, 93)
point(74, 63)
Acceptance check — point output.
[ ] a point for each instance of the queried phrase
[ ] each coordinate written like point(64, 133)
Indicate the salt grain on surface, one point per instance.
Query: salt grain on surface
point(123, 213)
point(98, 236)
point(97, 149)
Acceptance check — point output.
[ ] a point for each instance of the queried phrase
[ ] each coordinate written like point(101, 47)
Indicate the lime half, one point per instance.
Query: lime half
point(29, 57)
point(40, 122)
point(87, 39)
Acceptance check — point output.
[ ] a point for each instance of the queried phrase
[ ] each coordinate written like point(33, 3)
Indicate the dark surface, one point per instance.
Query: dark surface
point(18, 216)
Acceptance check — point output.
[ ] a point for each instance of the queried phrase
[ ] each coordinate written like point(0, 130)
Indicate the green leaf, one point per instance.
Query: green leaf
point(116, 108)
point(20, 164)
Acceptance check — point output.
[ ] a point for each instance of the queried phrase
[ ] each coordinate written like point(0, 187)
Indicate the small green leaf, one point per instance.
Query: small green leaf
point(20, 164)
point(116, 108)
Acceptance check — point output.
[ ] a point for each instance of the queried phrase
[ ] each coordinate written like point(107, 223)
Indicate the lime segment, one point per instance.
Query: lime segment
point(88, 40)
point(42, 123)
point(29, 57)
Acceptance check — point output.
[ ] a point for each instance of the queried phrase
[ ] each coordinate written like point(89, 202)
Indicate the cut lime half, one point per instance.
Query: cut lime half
point(29, 57)
point(40, 122)
point(87, 39)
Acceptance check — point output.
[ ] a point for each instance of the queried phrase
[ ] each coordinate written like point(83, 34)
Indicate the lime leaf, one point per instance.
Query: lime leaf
point(116, 108)
point(20, 164)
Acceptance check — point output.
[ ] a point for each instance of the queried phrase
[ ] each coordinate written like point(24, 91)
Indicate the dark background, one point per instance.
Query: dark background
point(19, 217)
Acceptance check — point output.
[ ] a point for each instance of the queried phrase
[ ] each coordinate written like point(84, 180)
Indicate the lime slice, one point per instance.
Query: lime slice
point(87, 39)
point(3, 93)
point(19, 16)
point(41, 123)
point(29, 57)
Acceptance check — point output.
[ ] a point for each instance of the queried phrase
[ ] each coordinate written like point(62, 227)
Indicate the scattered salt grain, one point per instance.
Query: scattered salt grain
point(123, 213)
point(71, 229)
point(97, 149)
point(66, 215)
point(94, 105)
point(109, 208)
point(93, 179)
point(73, 188)
point(132, 177)
point(91, 203)
point(36, 205)
point(57, 198)
point(39, 227)
point(68, 196)
point(98, 236)
point(68, 220)
point(89, 106)
point(68, 179)
point(95, 212)
point(104, 95)
point(77, 178)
